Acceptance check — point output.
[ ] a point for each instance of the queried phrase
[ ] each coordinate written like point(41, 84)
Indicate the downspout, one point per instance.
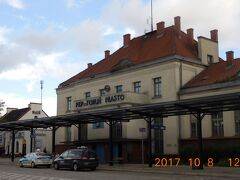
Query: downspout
point(178, 97)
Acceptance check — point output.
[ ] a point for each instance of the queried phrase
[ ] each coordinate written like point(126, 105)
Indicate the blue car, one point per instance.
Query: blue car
point(36, 159)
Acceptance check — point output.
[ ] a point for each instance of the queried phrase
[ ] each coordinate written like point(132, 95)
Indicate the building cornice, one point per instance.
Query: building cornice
point(210, 87)
point(173, 58)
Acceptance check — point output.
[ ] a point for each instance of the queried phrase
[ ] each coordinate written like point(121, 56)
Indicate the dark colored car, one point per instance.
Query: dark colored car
point(76, 159)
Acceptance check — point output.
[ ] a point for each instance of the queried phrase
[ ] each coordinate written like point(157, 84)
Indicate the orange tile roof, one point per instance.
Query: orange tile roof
point(142, 49)
point(220, 72)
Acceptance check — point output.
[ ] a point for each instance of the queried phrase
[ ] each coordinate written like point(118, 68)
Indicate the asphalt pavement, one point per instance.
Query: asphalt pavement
point(138, 169)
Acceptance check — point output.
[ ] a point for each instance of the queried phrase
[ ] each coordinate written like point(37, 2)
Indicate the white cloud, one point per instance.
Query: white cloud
point(202, 15)
point(29, 86)
point(75, 3)
point(42, 41)
point(45, 65)
point(16, 101)
point(18, 4)
point(3, 32)
point(109, 31)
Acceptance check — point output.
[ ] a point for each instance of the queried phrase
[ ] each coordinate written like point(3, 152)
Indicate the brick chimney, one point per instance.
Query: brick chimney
point(190, 34)
point(177, 23)
point(107, 53)
point(214, 35)
point(126, 39)
point(160, 26)
point(89, 65)
point(230, 56)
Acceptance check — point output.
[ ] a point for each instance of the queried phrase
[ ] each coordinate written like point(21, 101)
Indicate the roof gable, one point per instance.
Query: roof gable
point(220, 72)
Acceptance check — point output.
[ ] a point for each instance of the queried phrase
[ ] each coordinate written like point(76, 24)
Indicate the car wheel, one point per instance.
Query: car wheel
point(56, 166)
point(33, 165)
point(20, 164)
point(93, 169)
point(75, 166)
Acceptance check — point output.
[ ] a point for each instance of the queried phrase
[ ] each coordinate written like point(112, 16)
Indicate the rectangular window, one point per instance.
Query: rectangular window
point(217, 124)
point(158, 135)
point(209, 59)
point(69, 103)
point(98, 125)
point(119, 88)
point(157, 86)
point(117, 130)
point(68, 134)
point(137, 86)
point(102, 92)
point(1, 139)
point(237, 122)
point(193, 121)
point(87, 95)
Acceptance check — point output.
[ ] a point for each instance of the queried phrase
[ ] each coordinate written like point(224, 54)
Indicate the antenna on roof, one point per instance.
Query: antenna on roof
point(41, 83)
point(151, 17)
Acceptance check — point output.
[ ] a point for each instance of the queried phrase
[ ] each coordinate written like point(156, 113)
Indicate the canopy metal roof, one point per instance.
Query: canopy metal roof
point(206, 105)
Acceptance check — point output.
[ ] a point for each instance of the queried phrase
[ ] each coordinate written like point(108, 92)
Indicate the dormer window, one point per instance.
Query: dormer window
point(209, 59)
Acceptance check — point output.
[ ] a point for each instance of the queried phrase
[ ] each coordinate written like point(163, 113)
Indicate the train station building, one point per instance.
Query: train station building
point(165, 65)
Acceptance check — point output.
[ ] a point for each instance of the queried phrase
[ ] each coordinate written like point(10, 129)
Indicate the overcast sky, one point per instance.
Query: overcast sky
point(52, 40)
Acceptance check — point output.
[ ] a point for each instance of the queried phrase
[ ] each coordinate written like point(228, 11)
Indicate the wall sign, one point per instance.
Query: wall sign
point(100, 100)
point(36, 112)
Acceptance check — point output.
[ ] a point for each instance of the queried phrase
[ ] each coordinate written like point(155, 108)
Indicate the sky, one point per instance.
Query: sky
point(52, 40)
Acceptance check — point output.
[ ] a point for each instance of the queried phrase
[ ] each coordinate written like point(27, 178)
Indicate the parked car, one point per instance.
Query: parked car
point(36, 159)
point(76, 159)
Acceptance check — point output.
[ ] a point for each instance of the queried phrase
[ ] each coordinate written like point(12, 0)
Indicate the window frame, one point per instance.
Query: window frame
point(193, 120)
point(157, 86)
point(102, 92)
point(137, 87)
point(217, 124)
point(68, 133)
point(98, 125)
point(237, 122)
point(209, 59)
point(87, 95)
point(69, 103)
point(119, 87)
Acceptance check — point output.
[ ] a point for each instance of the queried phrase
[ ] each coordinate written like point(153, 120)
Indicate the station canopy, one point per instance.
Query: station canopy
point(205, 105)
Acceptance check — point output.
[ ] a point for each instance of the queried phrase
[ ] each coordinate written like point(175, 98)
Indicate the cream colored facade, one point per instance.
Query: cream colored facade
point(175, 71)
point(169, 70)
point(228, 117)
point(43, 136)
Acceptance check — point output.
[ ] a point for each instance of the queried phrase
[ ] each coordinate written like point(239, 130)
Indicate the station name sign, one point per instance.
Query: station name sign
point(100, 100)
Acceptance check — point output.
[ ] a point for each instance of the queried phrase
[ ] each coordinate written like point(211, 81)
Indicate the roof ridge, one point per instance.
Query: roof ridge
point(141, 49)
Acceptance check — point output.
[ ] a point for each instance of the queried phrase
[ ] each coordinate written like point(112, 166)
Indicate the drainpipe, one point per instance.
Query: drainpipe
point(178, 97)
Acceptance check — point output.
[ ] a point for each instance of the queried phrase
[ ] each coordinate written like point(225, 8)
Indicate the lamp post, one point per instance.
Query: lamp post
point(41, 83)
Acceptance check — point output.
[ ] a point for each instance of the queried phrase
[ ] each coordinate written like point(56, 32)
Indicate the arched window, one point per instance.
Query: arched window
point(17, 147)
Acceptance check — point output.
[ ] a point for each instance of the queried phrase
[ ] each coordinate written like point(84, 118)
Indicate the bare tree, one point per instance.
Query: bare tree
point(2, 104)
